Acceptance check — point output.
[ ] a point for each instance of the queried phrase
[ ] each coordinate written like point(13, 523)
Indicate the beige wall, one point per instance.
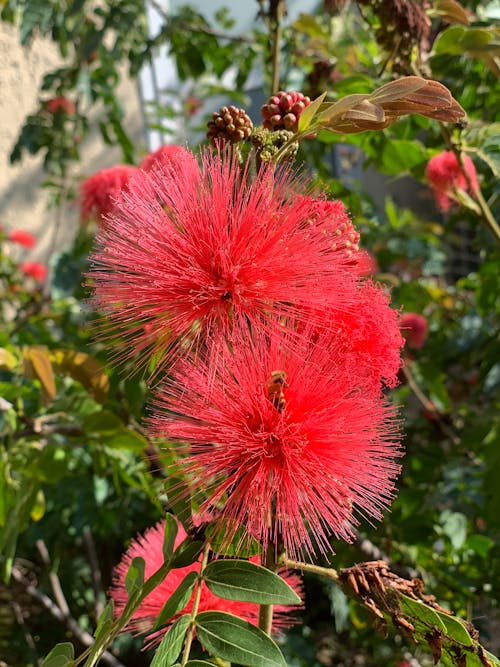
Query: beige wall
point(23, 203)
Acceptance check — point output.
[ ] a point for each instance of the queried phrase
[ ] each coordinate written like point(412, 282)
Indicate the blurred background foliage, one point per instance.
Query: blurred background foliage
point(78, 476)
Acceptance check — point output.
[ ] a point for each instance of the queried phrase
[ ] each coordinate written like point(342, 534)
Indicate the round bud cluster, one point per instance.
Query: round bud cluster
point(229, 124)
point(268, 143)
point(283, 110)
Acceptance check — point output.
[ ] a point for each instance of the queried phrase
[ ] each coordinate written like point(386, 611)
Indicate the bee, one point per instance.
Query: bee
point(275, 385)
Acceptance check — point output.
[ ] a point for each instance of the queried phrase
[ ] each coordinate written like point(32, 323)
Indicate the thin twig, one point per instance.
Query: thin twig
point(428, 404)
point(328, 572)
point(81, 635)
point(95, 571)
point(55, 583)
point(276, 12)
point(27, 634)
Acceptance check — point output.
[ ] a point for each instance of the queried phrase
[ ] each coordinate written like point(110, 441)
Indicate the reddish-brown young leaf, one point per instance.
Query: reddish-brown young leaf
point(340, 107)
point(396, 90)
point(451, 11)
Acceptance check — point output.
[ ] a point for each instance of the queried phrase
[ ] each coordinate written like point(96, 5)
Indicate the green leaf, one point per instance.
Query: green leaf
point(177, 601)
point(230, 638)
point(309, 112)
point(105, 621)
point(248, 582)
point(61, 655)
point(169, 535)
point(37, 14)
point(171, 644)
point(134, 578)
point(420, 612)
point(459, 39)
point(456, 629)
point(186, 553)
point(492, 658)
point(199, 663)
point(399, 156)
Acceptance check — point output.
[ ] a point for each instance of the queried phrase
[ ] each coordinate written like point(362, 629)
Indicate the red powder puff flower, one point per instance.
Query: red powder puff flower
point(331, 219)
point(195, 259)
point(366, 262)
point(446, 177)
point(34, 269)
point(175, 157)
point(414, 328)
point(100, 192)
point(368, 333)
point(149, 547)
point(282, 439)
point(60, 103)
point(22, 237)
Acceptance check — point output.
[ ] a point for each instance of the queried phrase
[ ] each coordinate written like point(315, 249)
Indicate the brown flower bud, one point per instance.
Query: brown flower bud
point(229, 124)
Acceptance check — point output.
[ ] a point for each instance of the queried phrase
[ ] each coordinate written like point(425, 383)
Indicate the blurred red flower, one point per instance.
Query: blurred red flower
point(22, 237)
point(283, 434)
point(414, 328)
point(100, 192)
point(195, 258)
point(176, 157)
point(149, 547)
point(60, 103)
point(36, 270)
point(446, 176)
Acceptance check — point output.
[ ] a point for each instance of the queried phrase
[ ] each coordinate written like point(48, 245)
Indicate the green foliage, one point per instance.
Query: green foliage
point(74, 457)
point(171, 644)
point(236, 640)
point(248, 582)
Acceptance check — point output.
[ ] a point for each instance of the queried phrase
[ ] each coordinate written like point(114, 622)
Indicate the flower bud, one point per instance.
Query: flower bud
point(229, 124)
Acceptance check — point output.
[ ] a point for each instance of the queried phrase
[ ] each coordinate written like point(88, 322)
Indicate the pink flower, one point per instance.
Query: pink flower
point(281, 432)
point(60, 103)
point(149, 547)
point(34, 269)
point(446, 177)
point(22, 237)
point(100, 192)
point(175, 157)
point(414, 328)
point(195, 258)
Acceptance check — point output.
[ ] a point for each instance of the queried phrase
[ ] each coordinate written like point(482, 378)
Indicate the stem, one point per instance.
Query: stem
point(276, 12)
point(266, 610)
point(315, 569)
point(196, 605)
